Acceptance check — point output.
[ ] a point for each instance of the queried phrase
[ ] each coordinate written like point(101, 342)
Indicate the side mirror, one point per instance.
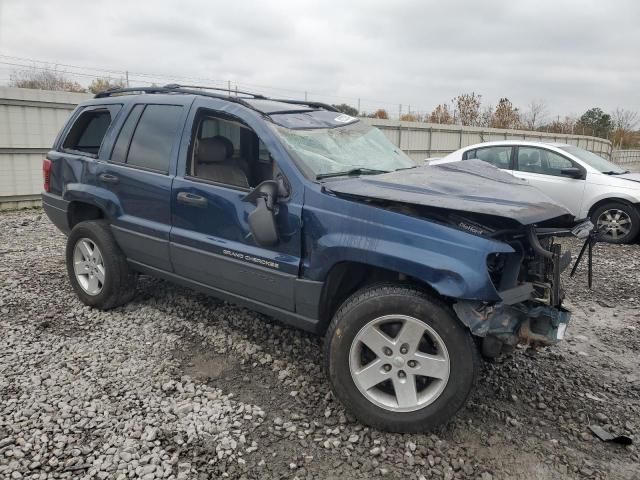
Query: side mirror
point(262, 220)
point(573, 172)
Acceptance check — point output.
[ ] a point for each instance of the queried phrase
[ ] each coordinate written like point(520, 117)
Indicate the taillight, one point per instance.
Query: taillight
point(46, 174)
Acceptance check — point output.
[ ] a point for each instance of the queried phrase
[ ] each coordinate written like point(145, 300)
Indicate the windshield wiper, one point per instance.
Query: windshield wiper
point(612, 172)
point(353, 171)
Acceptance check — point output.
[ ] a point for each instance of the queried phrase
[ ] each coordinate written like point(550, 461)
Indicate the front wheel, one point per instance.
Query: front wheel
point(399, 360)
point(617, 222)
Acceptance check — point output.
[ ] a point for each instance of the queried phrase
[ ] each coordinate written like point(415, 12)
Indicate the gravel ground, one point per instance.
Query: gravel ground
point(178, 385)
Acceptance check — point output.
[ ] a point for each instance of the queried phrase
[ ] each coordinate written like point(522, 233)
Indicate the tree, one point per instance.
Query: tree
point(624, 124)
point(486, 116)
point(44, 80)
point(102, 84)
point(468, 108)
point(441, 114)
point(535, 114)
point(346, 109)
point(566, 125)
point(380, 113)
point(409, 117)
point(595, 122)
point(505, 115)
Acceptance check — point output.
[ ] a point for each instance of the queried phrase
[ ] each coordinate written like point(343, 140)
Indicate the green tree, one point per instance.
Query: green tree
point(595, 122)
point(346, 109)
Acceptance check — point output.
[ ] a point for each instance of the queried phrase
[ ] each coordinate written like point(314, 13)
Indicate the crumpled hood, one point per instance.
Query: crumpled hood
point(468, 186)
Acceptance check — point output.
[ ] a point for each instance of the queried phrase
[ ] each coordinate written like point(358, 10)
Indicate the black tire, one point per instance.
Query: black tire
point(629, 210)
point(378, 300)
point(119, 280)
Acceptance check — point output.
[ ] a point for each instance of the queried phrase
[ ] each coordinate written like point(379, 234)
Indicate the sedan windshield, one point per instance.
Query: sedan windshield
point(354, 149)
point(595, 161)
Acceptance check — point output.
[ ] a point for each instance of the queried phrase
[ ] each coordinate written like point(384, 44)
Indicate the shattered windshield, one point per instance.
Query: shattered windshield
point(353, 148)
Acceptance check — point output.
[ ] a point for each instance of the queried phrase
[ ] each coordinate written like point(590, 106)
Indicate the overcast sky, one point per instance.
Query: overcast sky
point(571, 54)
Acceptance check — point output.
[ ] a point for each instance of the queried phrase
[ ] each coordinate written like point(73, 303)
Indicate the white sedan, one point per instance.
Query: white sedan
point(587, 184)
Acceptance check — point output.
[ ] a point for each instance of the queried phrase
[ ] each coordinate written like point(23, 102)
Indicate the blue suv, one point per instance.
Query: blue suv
point(312, 217)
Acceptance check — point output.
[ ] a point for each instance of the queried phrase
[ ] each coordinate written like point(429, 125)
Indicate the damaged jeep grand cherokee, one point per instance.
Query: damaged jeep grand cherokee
point(313, 217)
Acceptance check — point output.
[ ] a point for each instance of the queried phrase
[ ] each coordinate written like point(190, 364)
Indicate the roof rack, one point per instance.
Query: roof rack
point(304, 102)
point(198, 90)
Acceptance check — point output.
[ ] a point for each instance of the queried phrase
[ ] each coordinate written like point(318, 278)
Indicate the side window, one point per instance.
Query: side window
point(542, 161)
point(498, 156)
point(89, 130)
point(148, 136)
point(228, 152)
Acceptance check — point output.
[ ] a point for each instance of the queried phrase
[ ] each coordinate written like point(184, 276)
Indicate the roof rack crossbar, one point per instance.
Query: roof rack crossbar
point(176, 86)
point(310, 104)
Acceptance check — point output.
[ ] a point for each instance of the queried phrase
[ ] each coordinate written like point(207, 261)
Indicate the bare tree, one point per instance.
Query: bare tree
point(380, 113)
point(44, 80)
point(505, 115)
point(441, 114)
point(410, 117)
point(535, 114)
point(624, 124)
point(486, 116)
point(102, 84)
point(625, 119)
point(468, 108)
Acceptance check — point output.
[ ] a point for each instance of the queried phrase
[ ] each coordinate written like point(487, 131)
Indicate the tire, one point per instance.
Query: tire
point(110, 274)
point(344, 354)
point(611, 215)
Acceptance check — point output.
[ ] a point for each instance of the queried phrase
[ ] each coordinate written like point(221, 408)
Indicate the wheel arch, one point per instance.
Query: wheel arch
point(604, 201)
point(347, 277)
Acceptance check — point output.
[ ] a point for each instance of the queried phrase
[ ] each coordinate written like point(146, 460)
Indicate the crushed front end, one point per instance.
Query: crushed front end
point(529, 285)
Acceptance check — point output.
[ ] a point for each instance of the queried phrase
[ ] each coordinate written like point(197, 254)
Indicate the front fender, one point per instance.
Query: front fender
point(452, 261)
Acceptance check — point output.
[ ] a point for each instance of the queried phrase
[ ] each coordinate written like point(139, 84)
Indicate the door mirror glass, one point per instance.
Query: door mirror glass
point(262, 221)
point(573, 172)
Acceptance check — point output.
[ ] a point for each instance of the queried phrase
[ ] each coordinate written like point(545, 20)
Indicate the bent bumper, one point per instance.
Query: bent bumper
point(57, 210)
point(526, 322)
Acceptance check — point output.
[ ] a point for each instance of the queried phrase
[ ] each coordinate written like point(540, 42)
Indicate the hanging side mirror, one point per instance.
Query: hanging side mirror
point(262, 221)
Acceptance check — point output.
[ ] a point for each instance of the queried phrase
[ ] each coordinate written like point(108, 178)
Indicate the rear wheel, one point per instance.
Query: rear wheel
point(617, 222)
point(97, 268)
point(399, 360)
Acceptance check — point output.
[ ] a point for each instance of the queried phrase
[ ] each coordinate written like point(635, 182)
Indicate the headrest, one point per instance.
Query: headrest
point(214, 149)
point(534, 157)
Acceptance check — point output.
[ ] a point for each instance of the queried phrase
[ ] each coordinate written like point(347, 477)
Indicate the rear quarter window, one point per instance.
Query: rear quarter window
point(89, 129)
point(147, 137)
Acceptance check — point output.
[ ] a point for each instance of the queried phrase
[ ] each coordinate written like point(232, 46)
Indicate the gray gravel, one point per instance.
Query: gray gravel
point(177, 385)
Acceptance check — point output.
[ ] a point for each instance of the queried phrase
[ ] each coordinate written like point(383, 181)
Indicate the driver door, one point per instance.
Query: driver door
point(211, 242)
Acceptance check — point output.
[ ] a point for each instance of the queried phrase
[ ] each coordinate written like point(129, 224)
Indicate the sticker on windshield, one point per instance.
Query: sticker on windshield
point(344, 118)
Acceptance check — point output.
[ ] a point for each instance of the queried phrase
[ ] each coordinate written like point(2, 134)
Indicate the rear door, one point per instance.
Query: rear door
point(139, 173)
point(211, 242)
point(542, 168)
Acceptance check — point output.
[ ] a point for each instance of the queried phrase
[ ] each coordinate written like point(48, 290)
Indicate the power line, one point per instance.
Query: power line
point(135, 77)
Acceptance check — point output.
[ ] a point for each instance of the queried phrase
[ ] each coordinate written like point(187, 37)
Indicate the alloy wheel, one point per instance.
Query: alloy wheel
point(614, 223)
point(399, 363)
point(88, 266)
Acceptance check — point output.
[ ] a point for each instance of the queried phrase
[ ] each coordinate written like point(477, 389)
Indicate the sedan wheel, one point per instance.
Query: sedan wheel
point(614, 224)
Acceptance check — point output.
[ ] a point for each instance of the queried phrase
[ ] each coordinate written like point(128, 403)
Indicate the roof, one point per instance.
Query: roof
point(516, 142)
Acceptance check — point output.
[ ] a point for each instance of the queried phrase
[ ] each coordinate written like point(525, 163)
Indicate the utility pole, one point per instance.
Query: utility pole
point(229, 86)
point(305, 96)
point(358, 106)
point(126, 76)
point(399, 111)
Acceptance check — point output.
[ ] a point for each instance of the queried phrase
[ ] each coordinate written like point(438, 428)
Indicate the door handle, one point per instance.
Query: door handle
point(191, 199)
point(107, 178)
